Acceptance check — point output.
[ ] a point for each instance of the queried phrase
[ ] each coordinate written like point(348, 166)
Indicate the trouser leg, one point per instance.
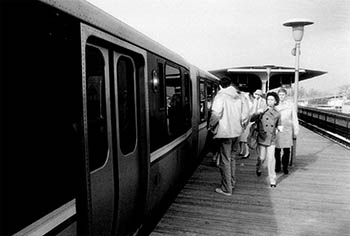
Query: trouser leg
point(246, 148)
point(285, 159)
point(278, 159)
point(258, 164)
point(271, 163)
point(225, 165)
point(241, 151)
point(233, 163)
point(235, 146)
point(261, 158)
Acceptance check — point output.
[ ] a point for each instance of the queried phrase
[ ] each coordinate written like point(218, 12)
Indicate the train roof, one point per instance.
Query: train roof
point(92, 15)
point(278, 73)
point(205, 74)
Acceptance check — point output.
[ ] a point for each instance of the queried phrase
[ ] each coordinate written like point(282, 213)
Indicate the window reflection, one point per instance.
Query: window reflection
point(96, 108)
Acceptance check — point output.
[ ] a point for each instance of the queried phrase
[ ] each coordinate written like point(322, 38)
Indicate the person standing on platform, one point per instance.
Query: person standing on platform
point(244, 149)
point(269, 124)
point(290, 125)
point(259, 105)
point(227, 109)
point(259, 102)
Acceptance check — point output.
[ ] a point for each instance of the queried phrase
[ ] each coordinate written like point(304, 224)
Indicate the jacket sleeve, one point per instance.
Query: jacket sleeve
point(213, 122)
point(217, 108)
point(295, 121)
point(245, 111)
point(254, 117)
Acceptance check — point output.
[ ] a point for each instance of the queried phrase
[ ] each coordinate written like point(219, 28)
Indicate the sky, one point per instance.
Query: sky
point(217, 34)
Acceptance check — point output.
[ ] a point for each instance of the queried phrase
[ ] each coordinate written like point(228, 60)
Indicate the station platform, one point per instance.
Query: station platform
point(313, 199)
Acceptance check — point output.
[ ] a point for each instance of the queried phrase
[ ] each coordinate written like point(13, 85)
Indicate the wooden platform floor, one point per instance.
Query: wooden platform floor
point(313, 199)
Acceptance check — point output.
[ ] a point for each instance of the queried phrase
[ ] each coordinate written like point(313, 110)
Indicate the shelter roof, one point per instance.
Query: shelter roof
point(280, 75)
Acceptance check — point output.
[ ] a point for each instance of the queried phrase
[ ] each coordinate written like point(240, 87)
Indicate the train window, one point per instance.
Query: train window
point(161, 86)
point(202, 102)
point(188, 101)
point(210, 94)
point(126, 104)
point(174, 101)
point(96, 108)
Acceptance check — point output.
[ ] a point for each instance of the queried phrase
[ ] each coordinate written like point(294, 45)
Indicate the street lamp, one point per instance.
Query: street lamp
point(298, 33)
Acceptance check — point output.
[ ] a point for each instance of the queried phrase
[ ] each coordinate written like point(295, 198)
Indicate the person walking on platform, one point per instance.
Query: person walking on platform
point(290, 123)
point(269, 124)
point(228, 111)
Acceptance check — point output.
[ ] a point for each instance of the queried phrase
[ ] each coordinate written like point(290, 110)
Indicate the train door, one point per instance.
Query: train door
point(118, 158)
point(99, 141)
point(130, 204)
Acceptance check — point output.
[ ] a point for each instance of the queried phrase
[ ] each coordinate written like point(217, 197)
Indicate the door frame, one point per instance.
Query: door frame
point(111, 42)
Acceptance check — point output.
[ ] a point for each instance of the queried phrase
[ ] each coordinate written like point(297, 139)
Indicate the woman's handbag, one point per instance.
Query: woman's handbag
point(255, 132)
point(252, 139)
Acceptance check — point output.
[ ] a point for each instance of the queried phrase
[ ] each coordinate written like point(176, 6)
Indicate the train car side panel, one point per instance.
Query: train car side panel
point(171, 136)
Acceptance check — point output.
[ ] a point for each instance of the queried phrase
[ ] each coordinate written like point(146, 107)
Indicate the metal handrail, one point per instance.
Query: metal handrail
point(332, 121)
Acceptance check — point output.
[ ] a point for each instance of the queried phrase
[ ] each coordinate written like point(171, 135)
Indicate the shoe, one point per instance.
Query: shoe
point(258, 172)
point(246, 157)
point(219, 190)
point(285, 171)
point(273, 185)
point(277, 170)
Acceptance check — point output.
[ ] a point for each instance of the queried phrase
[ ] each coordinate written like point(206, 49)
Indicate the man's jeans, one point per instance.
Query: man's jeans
point(227, 164)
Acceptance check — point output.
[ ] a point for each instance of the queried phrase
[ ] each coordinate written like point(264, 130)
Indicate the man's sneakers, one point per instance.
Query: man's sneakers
point(219, 190)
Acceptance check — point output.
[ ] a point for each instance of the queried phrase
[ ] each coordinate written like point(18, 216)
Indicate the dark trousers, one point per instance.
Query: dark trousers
point(227, 164)
point(285, 158)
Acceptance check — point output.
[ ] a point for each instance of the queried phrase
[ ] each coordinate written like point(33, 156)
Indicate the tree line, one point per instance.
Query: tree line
point(313, 93)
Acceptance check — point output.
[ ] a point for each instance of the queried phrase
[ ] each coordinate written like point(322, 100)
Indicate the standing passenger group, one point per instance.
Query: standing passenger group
point(232, 115)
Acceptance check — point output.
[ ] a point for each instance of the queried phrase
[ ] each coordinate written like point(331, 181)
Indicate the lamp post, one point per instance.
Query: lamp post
point(298, 33)
point(268, 75)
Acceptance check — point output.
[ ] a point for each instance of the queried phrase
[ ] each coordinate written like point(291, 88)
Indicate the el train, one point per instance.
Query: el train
point(99, 123)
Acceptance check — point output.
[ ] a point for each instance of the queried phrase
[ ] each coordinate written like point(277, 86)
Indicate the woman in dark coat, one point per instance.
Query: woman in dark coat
point(269, 124)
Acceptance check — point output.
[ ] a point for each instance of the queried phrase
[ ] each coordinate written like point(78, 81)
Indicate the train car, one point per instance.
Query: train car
point(99, 123)
point(328, 102)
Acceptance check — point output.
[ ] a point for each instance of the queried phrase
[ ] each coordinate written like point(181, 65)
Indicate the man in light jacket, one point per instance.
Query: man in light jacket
point(231, 113)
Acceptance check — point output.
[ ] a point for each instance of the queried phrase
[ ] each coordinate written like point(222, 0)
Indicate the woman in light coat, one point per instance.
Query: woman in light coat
point(290, 125)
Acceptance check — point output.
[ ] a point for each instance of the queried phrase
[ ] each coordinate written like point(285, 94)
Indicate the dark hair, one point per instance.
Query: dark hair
point(236, 87)
point(273, 94)
point(225, 82)
point(282, 90)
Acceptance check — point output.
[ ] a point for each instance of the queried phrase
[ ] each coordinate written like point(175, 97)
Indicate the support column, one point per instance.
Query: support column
point(263, 79)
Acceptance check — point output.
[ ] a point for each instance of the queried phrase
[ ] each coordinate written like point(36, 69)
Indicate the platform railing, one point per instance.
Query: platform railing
point(332, 121)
